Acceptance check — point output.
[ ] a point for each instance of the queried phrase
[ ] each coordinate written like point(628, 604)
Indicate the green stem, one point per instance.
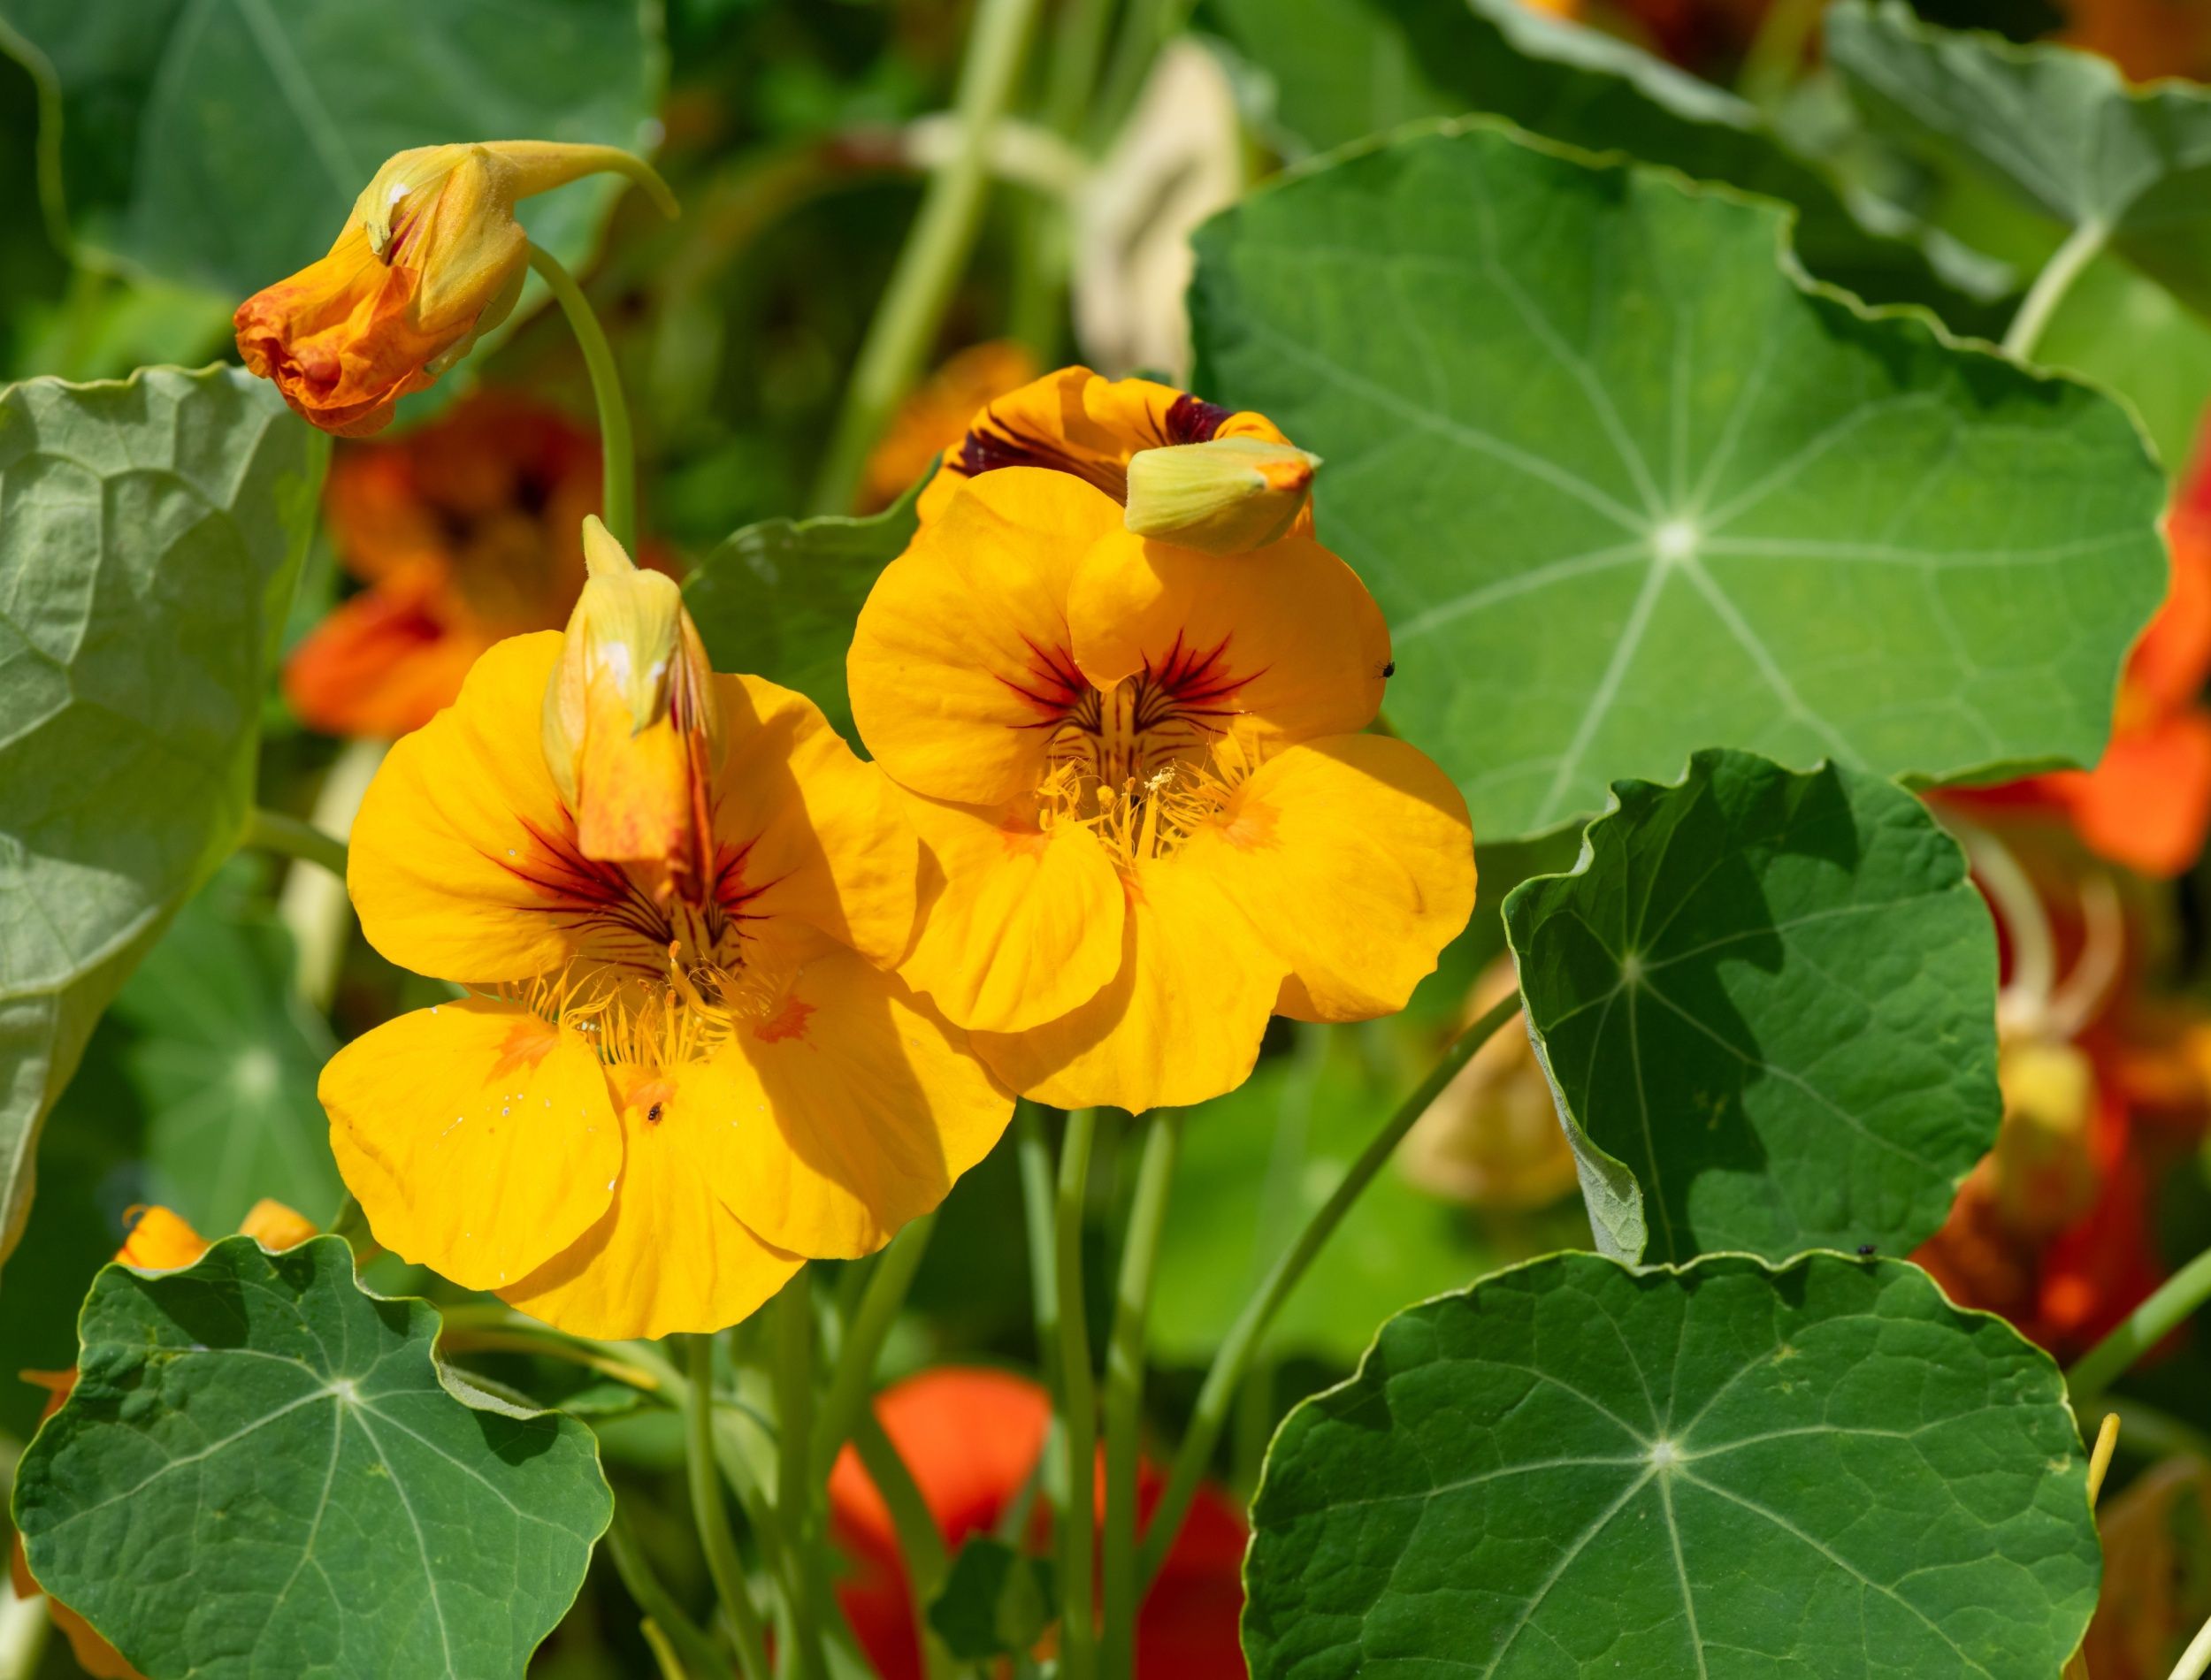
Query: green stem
point(2196, 1659)
point(2050, 286)
point(919, 1543)
point(1217, 1397)
point(1078, 1405)
point(853, 1379)
point(795, 1505)
point(1037, 290)
point(618, 494)
point(1777, 51)
point(2143, 1329)
point(659, 1605)
point(1043, 1276)
point(1124, 1392)
point(1145, 27)
point(713, 1516)
point(287, 836)
point(935, 251)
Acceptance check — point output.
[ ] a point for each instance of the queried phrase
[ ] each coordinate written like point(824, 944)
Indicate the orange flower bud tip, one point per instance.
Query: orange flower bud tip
point(1225, 496)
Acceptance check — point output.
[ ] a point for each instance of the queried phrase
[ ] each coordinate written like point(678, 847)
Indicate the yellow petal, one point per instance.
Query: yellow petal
point(479, 1139)
point(809, 833)
point(1354, 858)
point(866, 1105)
point(668, 1256)
point(961, 663)
point(1291, 649)
point(275, 1226)
point(1180, 1022)
point(1023, 925)
point(160, 1240)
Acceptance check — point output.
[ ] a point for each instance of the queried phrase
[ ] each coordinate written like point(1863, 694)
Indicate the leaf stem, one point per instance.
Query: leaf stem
point(936, 249)
point(2142, 1330)
point(795, 1486)
point(1124, 1392)
point(618, 491)
point(1218, 1395)
point(2081, 248)
point(853, 1379)
point(697, 1652)
point(288, 836)
point(1078, 1405)
point(713, 1516)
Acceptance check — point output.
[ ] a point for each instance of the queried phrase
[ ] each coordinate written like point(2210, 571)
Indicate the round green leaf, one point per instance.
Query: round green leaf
point(1626, 488)
point(1767, 1003)
point(264, 1470)
point(1573, 1470)
point(151, 533)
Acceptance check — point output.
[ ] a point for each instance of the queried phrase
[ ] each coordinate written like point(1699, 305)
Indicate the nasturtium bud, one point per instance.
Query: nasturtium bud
point(1224, 496)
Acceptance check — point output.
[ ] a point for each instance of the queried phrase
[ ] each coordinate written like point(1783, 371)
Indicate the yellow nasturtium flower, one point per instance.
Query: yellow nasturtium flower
point(669, 1085)
point(431, 256)
point(1138, 770)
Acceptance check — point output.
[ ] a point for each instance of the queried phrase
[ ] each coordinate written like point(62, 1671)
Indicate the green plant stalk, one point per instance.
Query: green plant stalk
point(288, 836)
point(852, 1381)
point(617, 452)
point(1044, 1275)
point(927, 1562)
point(797, 1505)
point(2065, 266)
point(1146, 26)
point(1078, 1405)
point(2142, 1330)
point(935, 251)
point(2196, 1659)
point(1217, 1397)
point(1777, 51)
point(1039, 282)
point(713, 1516)
point(1124, 1392)
point(699, 1655)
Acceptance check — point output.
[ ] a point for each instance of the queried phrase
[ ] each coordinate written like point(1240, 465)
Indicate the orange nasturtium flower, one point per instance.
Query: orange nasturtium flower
point(430, 257)
point(157, 1241)
point(684, 1066)
point(1137, 769)
point(465, 532)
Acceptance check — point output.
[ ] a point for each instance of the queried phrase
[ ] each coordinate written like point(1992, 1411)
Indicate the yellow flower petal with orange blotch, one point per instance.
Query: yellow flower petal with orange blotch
point(1354, 858)
point(668, 1256)
point(1023, 923)
point(480, 1138)
point(960, 664)
point(865, 1106)
point(1287, 642)
point(1181, 1022)
point(455, 865)
point(820, 835)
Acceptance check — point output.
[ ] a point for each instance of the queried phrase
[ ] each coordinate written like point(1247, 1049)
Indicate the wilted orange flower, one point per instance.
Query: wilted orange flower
point(972, 1440)
point(935, 417)
point(1136, 770)
point(677, 1074)
point(465, 532)
point(430, 257)
point(157, 1240)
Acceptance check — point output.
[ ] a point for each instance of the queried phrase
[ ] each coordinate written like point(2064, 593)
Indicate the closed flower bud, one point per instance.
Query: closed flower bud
point(632, 730)
point(1223, 496)
point(430, 258)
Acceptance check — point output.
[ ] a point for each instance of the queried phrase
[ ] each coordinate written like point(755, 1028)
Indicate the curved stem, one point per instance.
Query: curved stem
point(1219, 1393)
point(920, 1544)
point(2143, 1329)
point(618, 491)
point(2196, 1659)
point(853, 1379)
point(2065, 266)
point(1078, 1406)
point(1124, 1392)
point(713, 1516)
point(795, 1486)
point(659, 1605)
point(268, 830)
point(936, 250)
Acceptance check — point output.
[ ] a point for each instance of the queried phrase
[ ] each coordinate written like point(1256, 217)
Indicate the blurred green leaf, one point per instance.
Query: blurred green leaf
point(263, 1469)
point(778, 599)
point(2133, 336)
point(2061, 129)
point(995, 1602)
point(1574, 1469)
point(221, 145)
point(1769, 1003)
point(1626, 488)
point(149, 535)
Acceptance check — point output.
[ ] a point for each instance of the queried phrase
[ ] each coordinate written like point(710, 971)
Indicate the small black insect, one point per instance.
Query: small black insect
point(654, 1113)
point(1867, 1250)
point(1390, 669)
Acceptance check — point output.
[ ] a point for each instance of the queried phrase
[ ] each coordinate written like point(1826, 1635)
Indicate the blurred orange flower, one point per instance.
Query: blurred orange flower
point(972, 1440)
point(157, 1240)
point(465, 532)
point(935, 417)
point(2146, 39)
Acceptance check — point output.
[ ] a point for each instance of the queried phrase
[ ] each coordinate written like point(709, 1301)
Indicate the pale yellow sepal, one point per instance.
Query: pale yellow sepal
point(1225, 496)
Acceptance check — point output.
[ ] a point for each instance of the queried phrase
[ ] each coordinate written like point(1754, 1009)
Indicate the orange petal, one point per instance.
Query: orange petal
point(2148, 805)
point(382, 663)
point(160, 1240)
point(275, 1226)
